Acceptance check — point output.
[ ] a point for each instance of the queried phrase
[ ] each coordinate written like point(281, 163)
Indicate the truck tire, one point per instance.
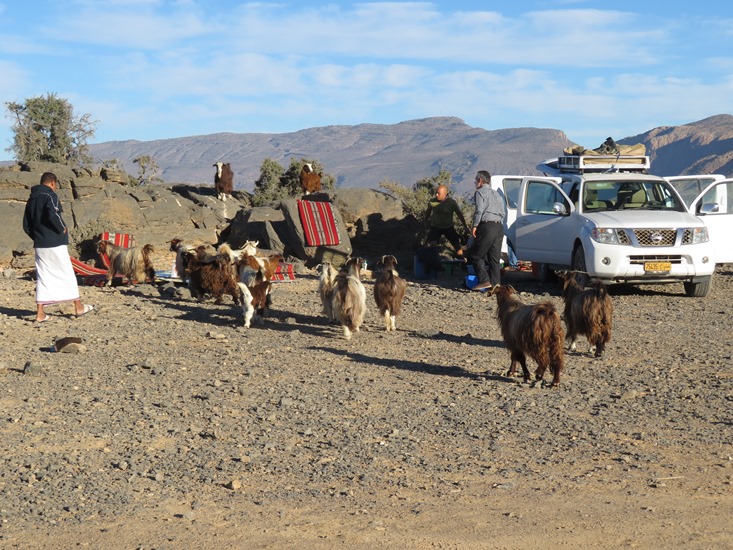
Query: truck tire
point(698, 290)
point(579, 264)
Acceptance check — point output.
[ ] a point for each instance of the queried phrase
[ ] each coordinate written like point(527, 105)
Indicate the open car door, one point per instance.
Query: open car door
point(544, 228)
point(690, 187)
point(714, 206)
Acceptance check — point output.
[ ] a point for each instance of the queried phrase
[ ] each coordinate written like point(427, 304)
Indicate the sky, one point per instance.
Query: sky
point(157, 69)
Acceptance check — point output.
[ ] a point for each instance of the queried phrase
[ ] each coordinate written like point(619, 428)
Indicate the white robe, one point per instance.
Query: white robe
point(56, 280)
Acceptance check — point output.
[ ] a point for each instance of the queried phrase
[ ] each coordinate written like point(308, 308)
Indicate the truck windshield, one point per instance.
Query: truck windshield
point(621, 195)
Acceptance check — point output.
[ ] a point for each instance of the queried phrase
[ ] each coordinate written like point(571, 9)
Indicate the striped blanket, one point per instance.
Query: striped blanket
point(319, 226)
point(284, 273)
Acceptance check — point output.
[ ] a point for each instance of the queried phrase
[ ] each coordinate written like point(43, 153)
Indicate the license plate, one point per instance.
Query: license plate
point(658, 267)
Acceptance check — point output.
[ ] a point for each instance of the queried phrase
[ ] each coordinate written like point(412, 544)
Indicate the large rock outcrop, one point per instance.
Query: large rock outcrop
point(370, 223)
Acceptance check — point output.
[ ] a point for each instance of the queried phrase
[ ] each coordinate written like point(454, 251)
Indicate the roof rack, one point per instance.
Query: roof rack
point(580, 164)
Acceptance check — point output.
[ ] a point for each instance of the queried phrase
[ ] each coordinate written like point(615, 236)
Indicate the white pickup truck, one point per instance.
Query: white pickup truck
point(603, 215)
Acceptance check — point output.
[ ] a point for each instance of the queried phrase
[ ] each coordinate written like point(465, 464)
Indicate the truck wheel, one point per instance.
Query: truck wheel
point(698, 290)
point(579, 264)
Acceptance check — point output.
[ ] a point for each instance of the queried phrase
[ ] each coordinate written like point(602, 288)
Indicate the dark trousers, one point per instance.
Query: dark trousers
point(487, 248)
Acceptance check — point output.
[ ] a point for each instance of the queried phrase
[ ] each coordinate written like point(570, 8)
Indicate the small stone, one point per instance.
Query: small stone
point(32, 368)
point(234, 485)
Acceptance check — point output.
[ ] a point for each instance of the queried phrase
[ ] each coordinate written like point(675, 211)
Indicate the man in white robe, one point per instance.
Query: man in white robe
point(42, 222)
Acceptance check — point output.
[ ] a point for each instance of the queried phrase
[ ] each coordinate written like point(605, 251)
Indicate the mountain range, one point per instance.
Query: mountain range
point(365, 155)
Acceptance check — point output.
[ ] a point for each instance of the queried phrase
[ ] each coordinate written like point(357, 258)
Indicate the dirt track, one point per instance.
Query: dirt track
point(178, 428)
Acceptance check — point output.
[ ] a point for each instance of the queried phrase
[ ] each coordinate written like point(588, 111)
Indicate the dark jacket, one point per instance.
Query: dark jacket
point(42, 220)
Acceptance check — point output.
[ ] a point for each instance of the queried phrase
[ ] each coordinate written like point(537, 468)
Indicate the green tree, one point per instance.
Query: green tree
point(268, 187)
point(46, 129)
point(415, 199)
point(147, 170)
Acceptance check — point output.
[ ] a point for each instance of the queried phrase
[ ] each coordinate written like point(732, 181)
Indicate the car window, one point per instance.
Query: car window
point(626, 194)
point(541, 196)
point(689, 189)
point(511, 191)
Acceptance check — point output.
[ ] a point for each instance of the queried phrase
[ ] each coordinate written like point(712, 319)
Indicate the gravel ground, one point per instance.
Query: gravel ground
point(176, 427)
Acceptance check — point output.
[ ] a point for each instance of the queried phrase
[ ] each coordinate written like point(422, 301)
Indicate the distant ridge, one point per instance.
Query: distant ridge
point(364, 155)
point(357, 156)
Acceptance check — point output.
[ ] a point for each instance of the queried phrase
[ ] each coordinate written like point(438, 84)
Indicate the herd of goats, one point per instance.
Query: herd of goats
point(246, 275)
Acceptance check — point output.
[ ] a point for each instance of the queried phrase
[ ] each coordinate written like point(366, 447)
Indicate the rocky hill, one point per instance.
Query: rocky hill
point(367, 154)
point(703, 147)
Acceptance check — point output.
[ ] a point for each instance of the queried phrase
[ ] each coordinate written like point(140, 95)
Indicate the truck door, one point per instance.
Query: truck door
point(508, 188)
point(718, 219)
point(690, 187)
point(541, 233)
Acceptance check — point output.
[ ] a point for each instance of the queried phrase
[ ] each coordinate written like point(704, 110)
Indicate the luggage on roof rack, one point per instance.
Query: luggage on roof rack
point(579, 164)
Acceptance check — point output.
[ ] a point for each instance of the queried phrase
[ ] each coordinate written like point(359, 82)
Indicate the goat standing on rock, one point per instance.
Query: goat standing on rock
point(310, 181)
point(223, 180)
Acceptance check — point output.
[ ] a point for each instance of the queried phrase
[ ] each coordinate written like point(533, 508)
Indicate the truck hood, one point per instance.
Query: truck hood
point(643, 218)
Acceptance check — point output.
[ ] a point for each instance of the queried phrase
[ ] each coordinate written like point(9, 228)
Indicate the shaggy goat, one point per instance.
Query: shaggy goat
point(588, 312)
point(389, 291)
point(215, 278)
point(534, 330)
point(310, 181)
point(326, 284)
point(135, 262)
point(348, 301)
point(179, 247)
point(223, 180)
point(255, 301)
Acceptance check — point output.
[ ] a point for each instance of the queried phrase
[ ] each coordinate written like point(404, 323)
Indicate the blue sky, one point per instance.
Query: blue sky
point(155, 69)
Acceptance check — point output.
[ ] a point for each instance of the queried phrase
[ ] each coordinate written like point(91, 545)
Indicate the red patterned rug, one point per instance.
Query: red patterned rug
point(319, 226)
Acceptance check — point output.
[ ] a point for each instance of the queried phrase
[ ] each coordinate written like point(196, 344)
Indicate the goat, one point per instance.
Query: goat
point(255, 301)
point(389, 291)
point(223, 180)
point(252, 269)
point(214, 277)
point(326, 283)
point(588, 312)
point(179, 247)
point(135, 262)
point(534, 330)
point(249, 249)
point(348, 301)
point(310, 181)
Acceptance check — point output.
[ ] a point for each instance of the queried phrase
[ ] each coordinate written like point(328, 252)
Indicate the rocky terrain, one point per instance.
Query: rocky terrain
point(172, 426)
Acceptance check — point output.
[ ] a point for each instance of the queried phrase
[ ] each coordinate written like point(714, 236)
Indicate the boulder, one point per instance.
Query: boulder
point(313, 255)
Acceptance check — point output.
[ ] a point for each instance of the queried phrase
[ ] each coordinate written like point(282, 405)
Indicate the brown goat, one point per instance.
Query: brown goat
point(223, 180)
point(310, 181)
point(588, 312)
point(389, 291)
point(215, 278)
point(534, 330)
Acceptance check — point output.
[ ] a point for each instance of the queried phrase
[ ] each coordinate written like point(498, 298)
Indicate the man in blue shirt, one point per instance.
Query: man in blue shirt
point(488, 233)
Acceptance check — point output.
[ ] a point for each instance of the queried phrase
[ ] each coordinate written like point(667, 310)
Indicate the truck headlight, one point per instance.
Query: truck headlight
point(699, 235)
point(605, 235)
